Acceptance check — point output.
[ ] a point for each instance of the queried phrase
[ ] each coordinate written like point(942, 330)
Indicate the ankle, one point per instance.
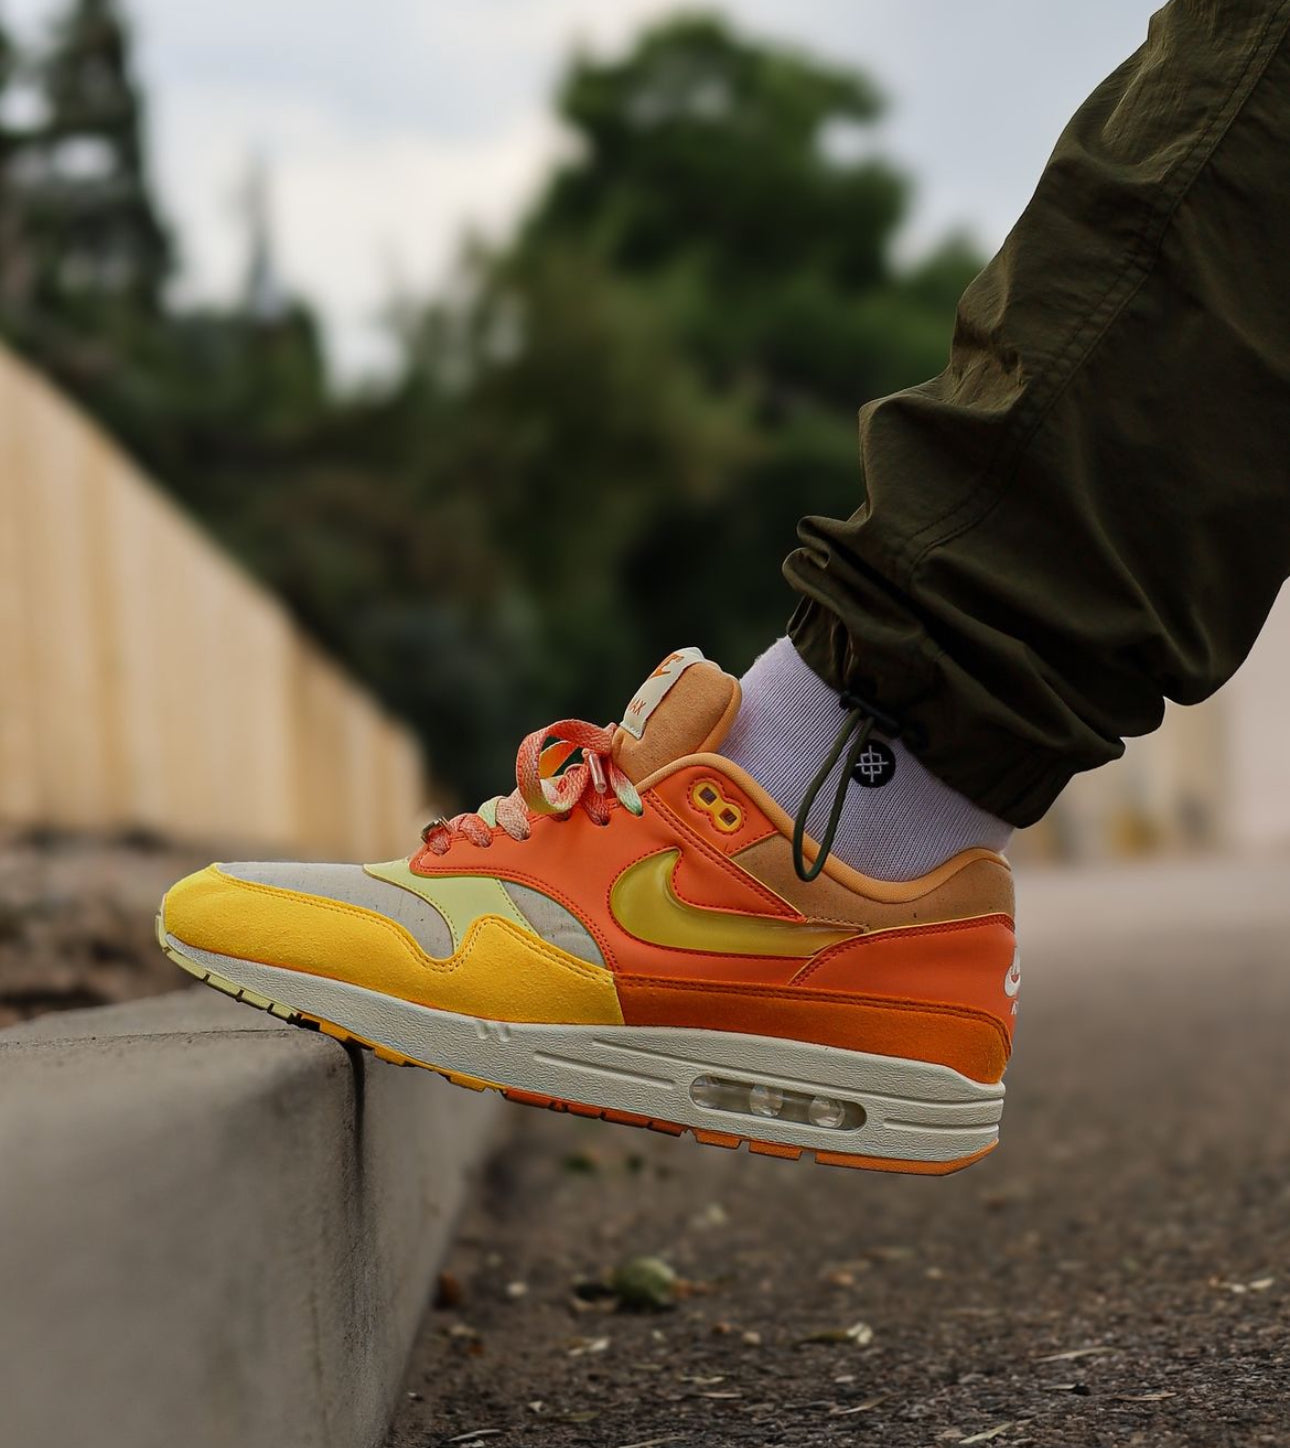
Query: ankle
point(897, 823)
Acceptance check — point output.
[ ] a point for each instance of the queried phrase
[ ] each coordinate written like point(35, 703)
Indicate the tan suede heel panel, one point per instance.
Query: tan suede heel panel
point(980, 887)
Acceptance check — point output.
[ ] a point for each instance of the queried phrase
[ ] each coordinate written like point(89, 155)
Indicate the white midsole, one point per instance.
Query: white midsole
point(912, 1110)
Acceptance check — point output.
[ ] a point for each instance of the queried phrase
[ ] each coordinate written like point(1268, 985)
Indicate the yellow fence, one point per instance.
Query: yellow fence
point(146, 680)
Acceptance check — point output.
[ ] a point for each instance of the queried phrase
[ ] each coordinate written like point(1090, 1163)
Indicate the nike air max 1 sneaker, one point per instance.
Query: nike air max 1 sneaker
point(626, 936)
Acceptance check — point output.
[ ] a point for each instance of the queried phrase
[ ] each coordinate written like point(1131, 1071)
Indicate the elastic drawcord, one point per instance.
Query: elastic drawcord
point(862, 718)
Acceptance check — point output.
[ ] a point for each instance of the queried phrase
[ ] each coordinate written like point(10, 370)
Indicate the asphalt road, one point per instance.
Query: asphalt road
point(1118, 1272)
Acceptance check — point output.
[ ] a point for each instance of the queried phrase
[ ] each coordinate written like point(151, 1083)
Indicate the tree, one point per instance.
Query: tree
point(96, 229)
point(645, 389)
point(218, 401)
point(13, 261)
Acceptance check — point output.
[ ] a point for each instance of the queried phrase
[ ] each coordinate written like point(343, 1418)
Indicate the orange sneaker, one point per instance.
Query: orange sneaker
point(626, 937)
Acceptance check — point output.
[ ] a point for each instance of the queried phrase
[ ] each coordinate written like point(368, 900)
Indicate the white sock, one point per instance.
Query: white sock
point(900, 827)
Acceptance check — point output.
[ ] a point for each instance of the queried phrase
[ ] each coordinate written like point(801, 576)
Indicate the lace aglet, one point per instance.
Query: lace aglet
point(597, 772)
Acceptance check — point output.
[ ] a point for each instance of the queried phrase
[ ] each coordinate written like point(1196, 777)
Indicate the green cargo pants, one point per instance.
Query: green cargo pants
point(1088, 511)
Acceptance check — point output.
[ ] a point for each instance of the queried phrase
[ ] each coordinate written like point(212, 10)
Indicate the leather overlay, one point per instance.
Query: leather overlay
point(868, 965)
point(681, 793)
point(967, 1041)
point(645, 905)
point(894, 892)
point(501, 971)
point(460, 899)
point(577, 862)
point(960, 963)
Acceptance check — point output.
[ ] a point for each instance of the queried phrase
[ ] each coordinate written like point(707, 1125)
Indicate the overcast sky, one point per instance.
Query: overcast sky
point(391, 125)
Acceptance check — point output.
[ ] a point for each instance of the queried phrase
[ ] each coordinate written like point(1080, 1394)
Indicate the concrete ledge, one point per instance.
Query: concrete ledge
point(215, 1230)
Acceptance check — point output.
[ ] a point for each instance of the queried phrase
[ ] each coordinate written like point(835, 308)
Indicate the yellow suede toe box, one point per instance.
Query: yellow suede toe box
point(500, 971)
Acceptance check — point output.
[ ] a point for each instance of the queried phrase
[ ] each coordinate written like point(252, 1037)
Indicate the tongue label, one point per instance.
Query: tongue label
point(652, 692)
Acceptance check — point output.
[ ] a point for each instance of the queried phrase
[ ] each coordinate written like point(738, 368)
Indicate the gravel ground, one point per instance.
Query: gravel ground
point(1117, 1273)
point(76, 919)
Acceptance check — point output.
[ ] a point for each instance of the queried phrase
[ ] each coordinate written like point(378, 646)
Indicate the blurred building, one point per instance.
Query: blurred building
point(1215, 776)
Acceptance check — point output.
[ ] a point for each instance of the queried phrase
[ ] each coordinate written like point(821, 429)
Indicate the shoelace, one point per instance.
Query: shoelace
point(542, 790)
point(862, 719)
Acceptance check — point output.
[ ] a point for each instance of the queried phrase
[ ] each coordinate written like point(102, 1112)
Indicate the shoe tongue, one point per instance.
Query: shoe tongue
point(686, 706)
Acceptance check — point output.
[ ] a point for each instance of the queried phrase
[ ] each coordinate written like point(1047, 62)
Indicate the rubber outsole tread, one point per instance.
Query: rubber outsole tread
point(728, 1141)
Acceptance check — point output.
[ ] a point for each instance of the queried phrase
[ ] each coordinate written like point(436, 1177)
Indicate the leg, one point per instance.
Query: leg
point(1089, 510)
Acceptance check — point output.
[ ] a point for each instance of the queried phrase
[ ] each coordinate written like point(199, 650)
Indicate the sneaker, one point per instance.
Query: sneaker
point(627, 937)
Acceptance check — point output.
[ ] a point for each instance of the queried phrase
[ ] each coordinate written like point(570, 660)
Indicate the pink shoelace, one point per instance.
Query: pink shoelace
point(543, 787)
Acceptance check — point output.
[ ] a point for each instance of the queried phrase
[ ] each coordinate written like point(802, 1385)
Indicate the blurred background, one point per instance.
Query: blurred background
point(500, 348)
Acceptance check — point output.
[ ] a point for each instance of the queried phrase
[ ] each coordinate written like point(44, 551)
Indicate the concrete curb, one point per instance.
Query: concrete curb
point(215, 1229)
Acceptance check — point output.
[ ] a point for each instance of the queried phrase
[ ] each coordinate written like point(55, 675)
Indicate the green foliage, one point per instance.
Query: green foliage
point(215, 403)
point(646, 388)
point(93, 233)
point(602, 435)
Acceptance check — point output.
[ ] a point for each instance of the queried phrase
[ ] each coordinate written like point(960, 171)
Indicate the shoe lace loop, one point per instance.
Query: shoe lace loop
point(861, 721)
point(546, 784)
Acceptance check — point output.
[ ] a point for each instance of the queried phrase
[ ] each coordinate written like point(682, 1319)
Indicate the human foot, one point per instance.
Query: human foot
point(626, 937)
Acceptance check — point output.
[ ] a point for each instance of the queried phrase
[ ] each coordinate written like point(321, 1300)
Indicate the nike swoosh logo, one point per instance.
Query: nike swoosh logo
point(645, 905)
point(1012, 981)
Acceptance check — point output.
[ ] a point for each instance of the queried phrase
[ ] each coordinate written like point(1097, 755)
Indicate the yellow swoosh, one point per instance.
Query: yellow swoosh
point(645, 905)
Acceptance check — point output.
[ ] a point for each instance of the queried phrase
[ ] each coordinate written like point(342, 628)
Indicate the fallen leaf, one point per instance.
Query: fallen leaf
point(467, 1338)
point(579, 1346)
point(859, 1407)
point(447, 1292)
point(987, 1435)
point(713, 1215)
point(1142, 1397)
point(1075, 1352)
point(859, 1333)
point(644, 1284)
point(477, 1433)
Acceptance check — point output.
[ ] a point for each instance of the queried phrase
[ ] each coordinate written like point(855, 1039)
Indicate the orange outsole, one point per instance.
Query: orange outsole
point(730, 1141)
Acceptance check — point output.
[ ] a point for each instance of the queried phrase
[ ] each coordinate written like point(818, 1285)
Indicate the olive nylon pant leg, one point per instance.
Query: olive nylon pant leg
point(1089, 510)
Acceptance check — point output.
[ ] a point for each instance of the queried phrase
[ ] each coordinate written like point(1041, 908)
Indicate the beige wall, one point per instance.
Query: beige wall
point(146, 680)
point(1216, 776)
